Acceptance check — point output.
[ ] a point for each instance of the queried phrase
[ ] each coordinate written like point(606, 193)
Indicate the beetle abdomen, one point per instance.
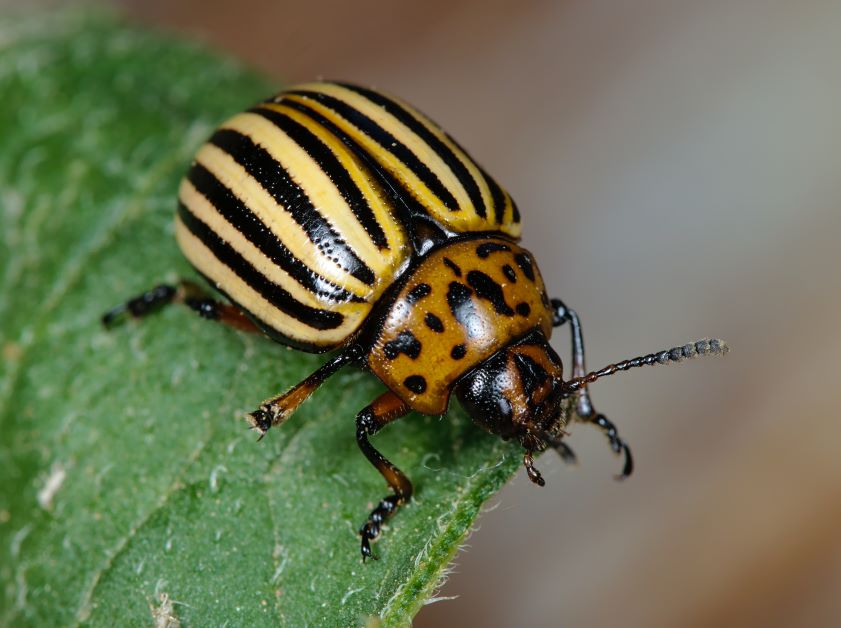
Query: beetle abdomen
point(285, 220)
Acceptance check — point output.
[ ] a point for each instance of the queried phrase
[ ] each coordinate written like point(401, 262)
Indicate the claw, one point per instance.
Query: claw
point(616, 444)
point(372, 527)
point(260, 419)
point(628, 469)
point(534, 474)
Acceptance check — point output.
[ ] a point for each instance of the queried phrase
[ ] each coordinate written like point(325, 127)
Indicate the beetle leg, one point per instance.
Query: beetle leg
point(276, 410)
point(564, 451)
point(556, 443)
point(531, 471)
point(562, 314)
point(188, 293)
point(583, 406)
point(618, 445)
point(386, 408)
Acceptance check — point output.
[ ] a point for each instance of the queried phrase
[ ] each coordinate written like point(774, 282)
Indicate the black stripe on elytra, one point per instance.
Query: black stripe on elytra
point(434, 323)
point(486, 288)
point(274, 178)
point(404, 343)
point(415, 383)
point(524, 262)
point(438, 147)
point(274, 294)
point(400, 195)
point(498, 197)
point(452, 266)
point(418, 292)
point(332, 167)
point(523, 309)
point(484, 250)
point(509, 273)
point(241, 218)
point(387, 141)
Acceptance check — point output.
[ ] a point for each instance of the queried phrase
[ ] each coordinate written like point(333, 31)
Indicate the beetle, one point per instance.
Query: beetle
point(332, 217)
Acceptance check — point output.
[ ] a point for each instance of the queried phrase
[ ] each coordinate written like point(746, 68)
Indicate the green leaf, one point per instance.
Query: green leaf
point(131, 489)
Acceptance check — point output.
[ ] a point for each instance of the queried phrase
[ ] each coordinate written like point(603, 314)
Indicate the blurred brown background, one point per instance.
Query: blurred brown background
point(677, 165)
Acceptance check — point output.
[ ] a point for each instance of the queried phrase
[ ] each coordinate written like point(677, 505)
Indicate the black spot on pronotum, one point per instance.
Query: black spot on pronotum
point(458, 295)
point(464, 309)
point(415, 383)
point(418, 292)
point(483, 250)
point(486, 288)
point(452, 266)
point(434, 323)
point(509, 273)
point(458, 352)
point(523, 309)
point(524, 262)
point(404, 343)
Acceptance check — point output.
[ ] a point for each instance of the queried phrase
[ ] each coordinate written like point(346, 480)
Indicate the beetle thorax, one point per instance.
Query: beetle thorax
point(459, 306)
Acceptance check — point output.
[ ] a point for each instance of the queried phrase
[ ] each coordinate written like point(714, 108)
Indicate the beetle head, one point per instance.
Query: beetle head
point(518, 393)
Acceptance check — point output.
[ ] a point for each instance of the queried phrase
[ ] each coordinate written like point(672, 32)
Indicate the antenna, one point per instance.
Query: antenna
point(707, 346)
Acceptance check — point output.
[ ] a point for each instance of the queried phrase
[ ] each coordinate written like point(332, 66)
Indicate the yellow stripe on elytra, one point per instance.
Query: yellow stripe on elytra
point(276, 217)
point(468, 163)
point(512, 228)
point(207, 213)
point(396, 167)
point(424, 152)
point(204, 260)
point(374, 195)
point(507, 224)
point(315, 183)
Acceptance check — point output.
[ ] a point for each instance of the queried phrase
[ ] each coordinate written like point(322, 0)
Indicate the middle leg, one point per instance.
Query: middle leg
point(275, 411)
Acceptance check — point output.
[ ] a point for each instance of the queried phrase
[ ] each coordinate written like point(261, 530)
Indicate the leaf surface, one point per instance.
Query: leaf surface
point(129, 487)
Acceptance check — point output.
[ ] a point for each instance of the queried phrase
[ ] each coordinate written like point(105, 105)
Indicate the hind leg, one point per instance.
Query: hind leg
point(188, 293)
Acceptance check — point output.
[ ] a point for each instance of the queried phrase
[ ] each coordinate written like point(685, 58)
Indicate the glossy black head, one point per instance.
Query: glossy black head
point(517, 392)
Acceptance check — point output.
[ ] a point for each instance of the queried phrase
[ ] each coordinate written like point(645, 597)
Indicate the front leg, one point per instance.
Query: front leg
point(386, 408)
point(583, 406)
point(618, 445)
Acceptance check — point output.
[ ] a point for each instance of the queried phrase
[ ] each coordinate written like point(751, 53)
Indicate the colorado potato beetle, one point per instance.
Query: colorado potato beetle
point(332, 217)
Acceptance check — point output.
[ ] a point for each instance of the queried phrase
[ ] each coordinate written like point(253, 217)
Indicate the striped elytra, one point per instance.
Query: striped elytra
point(335, 217)
point(304, 209)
